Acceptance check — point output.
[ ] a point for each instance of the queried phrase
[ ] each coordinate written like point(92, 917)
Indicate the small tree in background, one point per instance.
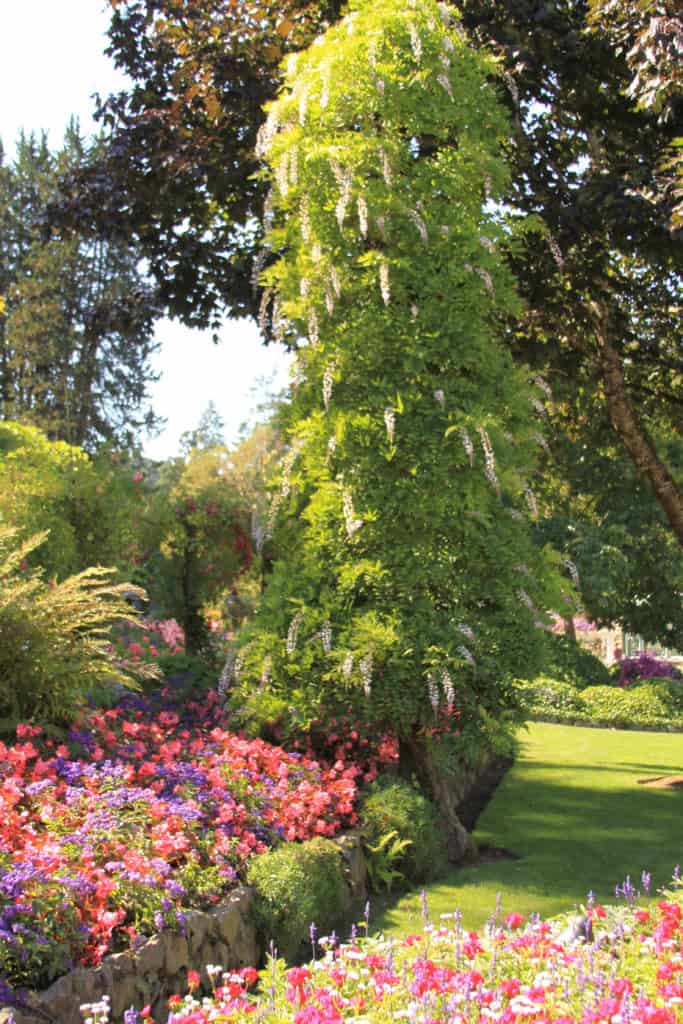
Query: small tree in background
point(407, 584)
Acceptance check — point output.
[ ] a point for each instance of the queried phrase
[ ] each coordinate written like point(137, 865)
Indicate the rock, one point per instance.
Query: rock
point(198, 927)
point(58, 1001)
point(355, 869)
point(150, 957)
point(177, 953)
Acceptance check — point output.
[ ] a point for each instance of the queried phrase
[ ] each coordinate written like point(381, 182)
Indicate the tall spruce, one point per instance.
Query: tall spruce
point(407, 584)
point(76, 333)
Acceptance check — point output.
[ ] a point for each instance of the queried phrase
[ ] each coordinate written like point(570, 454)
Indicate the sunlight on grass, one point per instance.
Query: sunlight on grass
point(573, 812)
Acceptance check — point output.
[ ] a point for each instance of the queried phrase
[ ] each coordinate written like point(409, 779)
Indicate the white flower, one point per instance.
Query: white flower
point(390, 423)
point(415, 42)
point(386, 168)
point(305, 219)
point(445, 82)
point(525, 599)
point(433, 691)
point(267, 667)
point(573, 571)
point(303, 106)
point(326, 636)
point(336, 281)
point(467, 444)
point(293, 631)
point(556, 251)
point(363, 216)
point(328, 385)
point(466, 631)
point(365, 668)
point(466, 654)
point(419, 224)
point(313, 327)
point(531, 502)
point(440, 397)
point(384, 283)
point(448, 689)
point(347, 666)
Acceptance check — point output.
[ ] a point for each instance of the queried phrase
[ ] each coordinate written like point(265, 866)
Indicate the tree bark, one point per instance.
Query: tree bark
point(630, 430)
point(415, 758)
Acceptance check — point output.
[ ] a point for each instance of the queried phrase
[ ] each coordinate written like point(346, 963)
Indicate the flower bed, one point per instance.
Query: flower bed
point(140, 812)
point(614, 966)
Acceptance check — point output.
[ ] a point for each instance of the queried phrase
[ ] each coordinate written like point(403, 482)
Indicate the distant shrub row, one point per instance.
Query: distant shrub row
point(655, 704)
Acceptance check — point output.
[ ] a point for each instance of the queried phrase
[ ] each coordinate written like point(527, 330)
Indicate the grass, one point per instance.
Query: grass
point(572, 810)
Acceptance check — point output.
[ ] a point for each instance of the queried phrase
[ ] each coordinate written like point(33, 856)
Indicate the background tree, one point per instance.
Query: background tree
point(407, 584)
point(76, 334)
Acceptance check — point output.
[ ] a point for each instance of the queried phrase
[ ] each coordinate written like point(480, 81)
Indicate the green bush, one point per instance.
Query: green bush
point(570, 663)
point(642, 705)
point(551, 697)
point(298, 884)
point(394, 805)
point(54, 637)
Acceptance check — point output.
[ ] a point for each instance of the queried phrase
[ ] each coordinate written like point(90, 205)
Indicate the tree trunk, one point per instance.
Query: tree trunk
point(570, 629)
point(628, 427)
point(415, 758)
point(193, 624)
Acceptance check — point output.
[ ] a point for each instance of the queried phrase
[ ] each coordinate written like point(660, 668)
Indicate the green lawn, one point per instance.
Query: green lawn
point(572, 810)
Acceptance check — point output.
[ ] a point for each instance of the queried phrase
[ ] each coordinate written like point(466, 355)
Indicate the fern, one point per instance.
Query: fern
point(55, 636)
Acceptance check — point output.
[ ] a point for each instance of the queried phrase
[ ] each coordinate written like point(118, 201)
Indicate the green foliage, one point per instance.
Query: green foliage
point(297, 884)
point(572, 663)
point(89, 506)
point(404, 559)
point(652, 704)
point(396, 808)
point(54, 637)
point(381, 860)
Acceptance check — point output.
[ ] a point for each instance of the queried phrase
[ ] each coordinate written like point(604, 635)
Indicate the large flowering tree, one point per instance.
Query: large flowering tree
point(407, 584)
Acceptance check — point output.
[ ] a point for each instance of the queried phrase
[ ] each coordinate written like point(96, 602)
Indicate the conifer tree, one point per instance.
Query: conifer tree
point(407, 584)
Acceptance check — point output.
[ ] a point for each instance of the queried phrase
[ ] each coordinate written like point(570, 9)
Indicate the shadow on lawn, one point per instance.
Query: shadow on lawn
point(570, 839)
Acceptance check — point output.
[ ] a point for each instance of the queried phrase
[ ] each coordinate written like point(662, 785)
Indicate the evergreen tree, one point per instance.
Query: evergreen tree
point(407, 584)
point(76, 335)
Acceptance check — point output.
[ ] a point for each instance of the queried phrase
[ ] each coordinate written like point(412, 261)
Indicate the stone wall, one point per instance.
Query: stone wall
point(225, 935)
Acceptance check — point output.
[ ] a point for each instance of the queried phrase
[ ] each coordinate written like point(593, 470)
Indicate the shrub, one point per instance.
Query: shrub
point(297, 885)
point(394, 805)
point(613, 706)
point(551, 697)
point(570, 663)
point(54, 637)
point(644, 666)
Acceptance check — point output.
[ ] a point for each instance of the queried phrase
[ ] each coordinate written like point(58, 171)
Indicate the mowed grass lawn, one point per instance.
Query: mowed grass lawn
point(572, 810)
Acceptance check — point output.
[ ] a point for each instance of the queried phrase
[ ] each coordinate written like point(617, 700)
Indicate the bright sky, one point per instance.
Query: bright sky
point(51, 63)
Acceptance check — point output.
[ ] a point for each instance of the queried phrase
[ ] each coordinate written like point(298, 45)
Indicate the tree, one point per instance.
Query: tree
point(407, 583)
point(76, 334)
point(587, 160)
point(209, 433)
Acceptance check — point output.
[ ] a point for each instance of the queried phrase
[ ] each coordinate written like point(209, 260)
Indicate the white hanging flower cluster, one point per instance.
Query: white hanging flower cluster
point(466, 631)
point(419, 224)
point(352, 524)
point(512, 87)
point(542, 441)
point(487, 279)
point(258, 532)
point(515, 513)
point(365, 668)
point(379, 85)
point(556, 252)
point(387, 172)
point(445, 82)
point(304, 287)
point(313, 327)
point(384, 285)
point(257, 266)
point(344, 178)
point(570, 566)
point(267, 133)
point(541, 383)
point(448, 688)
point(390, 424)
point(487, 243)
point(316, 252)
point(326, 636)
point(440, 397)
point(382, 225)
point(490, 459)
point(263, 309)
point(294, 165)
point(293, 631)
point(266, 671)
point(336, 281)
point(433, 691)
point(303, 105)
point(328, 384)
point(539, 407)
point(415, 43)
point(467, 444)
point(347, 667)
point(331, 448)
point(287, 464)
point(325, 91)
point(329, 299)
point(488, 186)
point(414, 311)
point(227, 676)
point(363, 216)
point(282, 174)
point(531, 501)
point(448, 44)
point(524, 569)
point(525, 599)
point(268, 211)
point(465, 653)
point(305, 219)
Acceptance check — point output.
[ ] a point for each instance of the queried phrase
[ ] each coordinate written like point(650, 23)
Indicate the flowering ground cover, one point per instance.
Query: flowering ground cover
point(142, 810)
point(621, 965)
point(573, 810)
